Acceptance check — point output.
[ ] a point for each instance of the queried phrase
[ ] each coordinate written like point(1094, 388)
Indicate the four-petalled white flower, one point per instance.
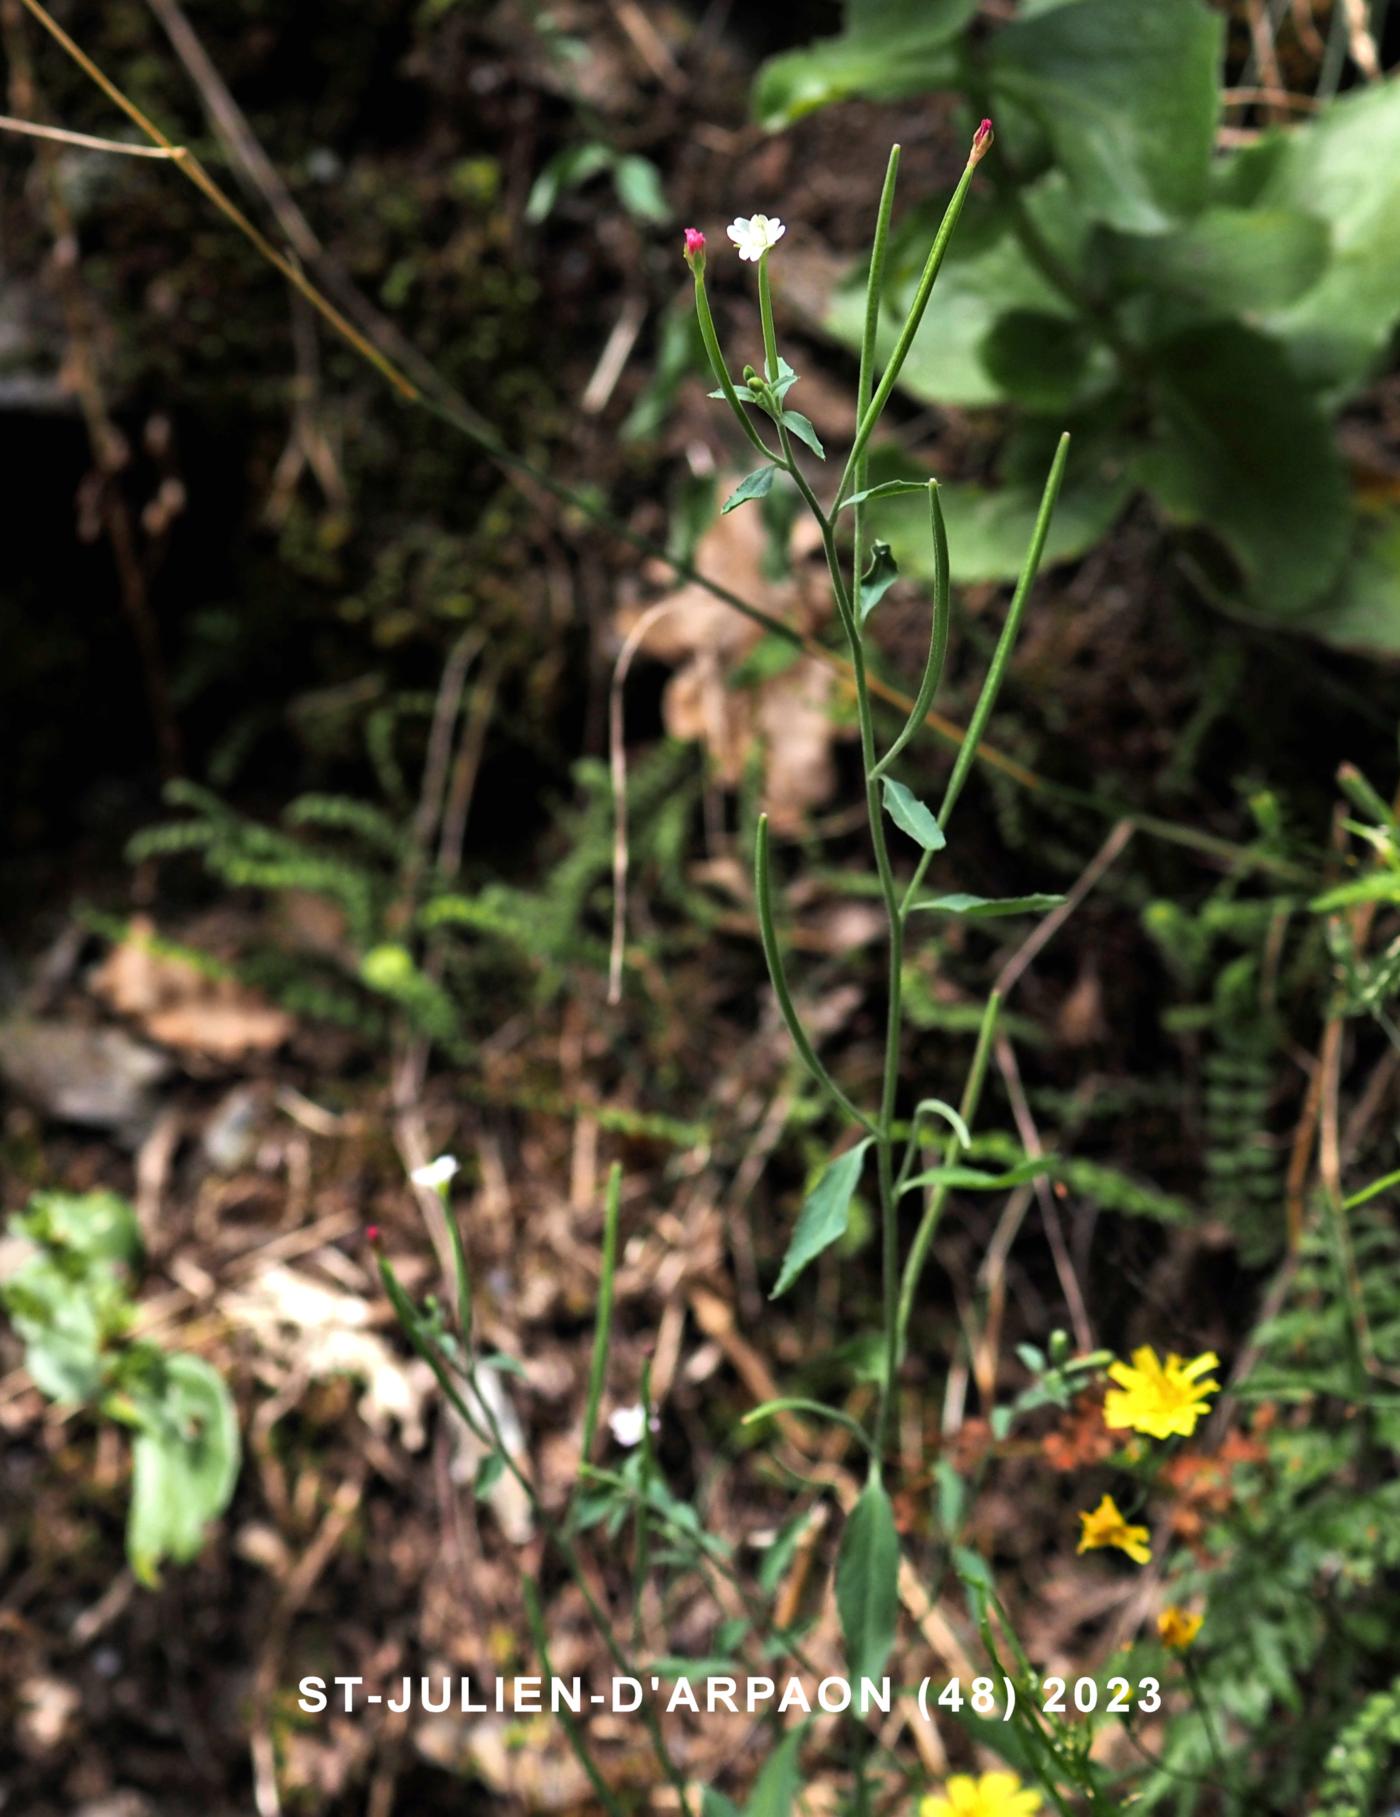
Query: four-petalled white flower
point(755, 236)
point(628, 1424)
point(437, 1173)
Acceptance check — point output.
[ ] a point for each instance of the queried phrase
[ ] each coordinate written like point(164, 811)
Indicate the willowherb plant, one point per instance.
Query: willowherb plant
point(926, 1149)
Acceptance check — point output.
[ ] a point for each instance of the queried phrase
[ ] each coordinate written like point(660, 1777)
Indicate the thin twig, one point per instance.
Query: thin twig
point(87, 141)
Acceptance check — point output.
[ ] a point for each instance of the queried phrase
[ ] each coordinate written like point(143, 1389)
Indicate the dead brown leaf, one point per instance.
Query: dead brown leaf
point(183, 1006)
point(788, 715)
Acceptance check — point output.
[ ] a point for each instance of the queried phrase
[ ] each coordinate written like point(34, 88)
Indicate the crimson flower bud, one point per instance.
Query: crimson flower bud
point(695, 249)
point(981, 142)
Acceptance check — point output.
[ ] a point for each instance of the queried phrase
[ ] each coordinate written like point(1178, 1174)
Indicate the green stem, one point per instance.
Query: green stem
point(874, 287)
point(938, 631)
point(602, 1329)
point(763, 894)
point(573, 1728)
point(890, 377)
point(720, 370)
point(923, 1236)
point(765, 312)
point(991, 687)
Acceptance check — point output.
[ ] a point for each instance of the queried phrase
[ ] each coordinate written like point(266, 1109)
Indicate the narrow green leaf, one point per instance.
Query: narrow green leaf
point(824, 1214)
point(775, 1790)
point(1382, 886)
point(488, 1474)
point(867, 1583)
point(877, 579)
point(756, 485)
point(602, 1325)
point(785, 380)
point(887, 489)
point(988, 908)
point(975, 1179)
point(638, 185)
point(798, 425)
point(911, 816)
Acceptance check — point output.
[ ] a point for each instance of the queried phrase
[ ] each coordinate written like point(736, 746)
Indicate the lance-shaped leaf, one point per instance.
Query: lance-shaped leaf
point(911, 816)
point(824, 1214)
point(988, 908)
point(797, 424)
point(877, 579)
point(757, 484)
point(867, 1583)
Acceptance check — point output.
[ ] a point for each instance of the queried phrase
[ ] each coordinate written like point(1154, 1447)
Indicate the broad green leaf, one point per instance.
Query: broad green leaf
point(638, 185)
point(887, 49)
point(715, 1804)
point(1362, 611)
point(185, 1465)
point(989, 528)
point(1039, 359)
point(824, 1214)
point(985, 274)
point(1231, 261)
point(877, 579)
point(1128, 93)
point(775, 1790)
point(1243, 449)
point(1343, 168)
point(756, 485)
point(867, 1583)
point(988, 908)
point(61, 1323)
point(798, 425)
point(911, 816)
point(99, 1226)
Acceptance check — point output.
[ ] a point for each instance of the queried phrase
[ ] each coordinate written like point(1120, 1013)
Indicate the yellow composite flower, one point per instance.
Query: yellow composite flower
point(990, 1795)
point(1164, 1400)
point(1177, 1628)
point(1105, 1526)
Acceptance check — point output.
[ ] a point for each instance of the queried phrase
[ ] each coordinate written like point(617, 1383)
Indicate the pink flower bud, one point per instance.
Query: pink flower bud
point(695, 249)
point(981, 142)
point(373, 1235)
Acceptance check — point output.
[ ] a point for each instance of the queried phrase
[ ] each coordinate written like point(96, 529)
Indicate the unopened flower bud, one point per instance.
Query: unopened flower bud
point(695, 249)
point(374, 1236)
point(981, 143)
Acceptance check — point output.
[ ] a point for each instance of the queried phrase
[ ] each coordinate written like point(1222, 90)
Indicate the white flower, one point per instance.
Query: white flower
point(756, 235)
point(627, 1425)
point(437, 1173)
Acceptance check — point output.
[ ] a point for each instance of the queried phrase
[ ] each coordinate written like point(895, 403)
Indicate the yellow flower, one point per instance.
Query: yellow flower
point(1105, 1526)
point(991, 1795)
point(1161, 1399)
point(1178, 1629)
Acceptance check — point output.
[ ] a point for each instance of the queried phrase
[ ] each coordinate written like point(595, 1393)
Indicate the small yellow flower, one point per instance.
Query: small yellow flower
point(1178, 1629)
point(1105, 1526)
point(991, 1795)
point(1164, 1400)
